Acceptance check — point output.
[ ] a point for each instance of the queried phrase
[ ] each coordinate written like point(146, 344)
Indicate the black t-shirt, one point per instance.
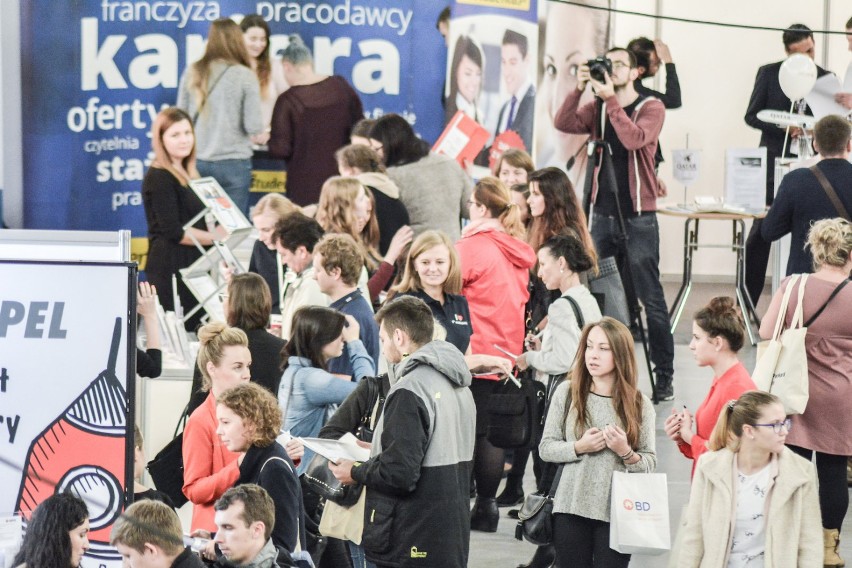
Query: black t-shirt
point(453, 315)
point(605, 202)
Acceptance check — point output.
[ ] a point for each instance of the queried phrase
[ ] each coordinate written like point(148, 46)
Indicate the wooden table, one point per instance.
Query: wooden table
point(691, 244)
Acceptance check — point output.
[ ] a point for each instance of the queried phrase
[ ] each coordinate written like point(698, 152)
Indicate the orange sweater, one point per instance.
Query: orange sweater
point(209, 469)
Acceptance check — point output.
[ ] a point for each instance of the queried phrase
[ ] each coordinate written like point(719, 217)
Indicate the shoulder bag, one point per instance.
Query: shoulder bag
point(782, 361)
point(166, 469)
point(535, 519)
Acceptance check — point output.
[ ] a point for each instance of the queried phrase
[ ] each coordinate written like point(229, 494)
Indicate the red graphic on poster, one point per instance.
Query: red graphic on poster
point(506, 140)
point(83, 452)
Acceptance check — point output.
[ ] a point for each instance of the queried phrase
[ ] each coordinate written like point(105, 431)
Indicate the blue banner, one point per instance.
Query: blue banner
point(97, 72)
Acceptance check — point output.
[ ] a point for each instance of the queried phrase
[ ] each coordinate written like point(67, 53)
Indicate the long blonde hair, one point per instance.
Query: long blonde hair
point(410, 281)
point(162, 159)
point(336, 214)
point(736, 414)
point(626, 398)
point(495, 196)
point(276, 204)
point(225, 44)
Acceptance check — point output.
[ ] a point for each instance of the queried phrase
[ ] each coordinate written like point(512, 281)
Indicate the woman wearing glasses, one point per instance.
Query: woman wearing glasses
point(825, 427)
point(753, 501)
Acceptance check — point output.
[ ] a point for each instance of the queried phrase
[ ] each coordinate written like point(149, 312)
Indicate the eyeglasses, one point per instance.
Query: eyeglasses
point(472, 203)
point(776, 426)
point(223, 297)
point(616, 65)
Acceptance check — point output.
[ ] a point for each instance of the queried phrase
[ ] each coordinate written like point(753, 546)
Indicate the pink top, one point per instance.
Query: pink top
point(826, 425)
point(209, 468)
point(733, 382)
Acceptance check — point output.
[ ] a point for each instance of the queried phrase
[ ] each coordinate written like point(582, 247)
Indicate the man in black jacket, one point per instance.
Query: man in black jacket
point(767, 94)
point(418, 478)
point(801, 199)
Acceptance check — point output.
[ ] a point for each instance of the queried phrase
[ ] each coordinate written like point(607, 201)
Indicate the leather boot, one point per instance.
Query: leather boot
point(543, 558)
point(831, 542)
point(512, 494)
point(485, 515)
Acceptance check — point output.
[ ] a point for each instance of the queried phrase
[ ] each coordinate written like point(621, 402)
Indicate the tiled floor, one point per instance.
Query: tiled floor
point(500, 549)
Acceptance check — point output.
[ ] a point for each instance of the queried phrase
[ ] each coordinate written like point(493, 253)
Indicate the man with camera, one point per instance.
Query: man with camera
point(631, 126)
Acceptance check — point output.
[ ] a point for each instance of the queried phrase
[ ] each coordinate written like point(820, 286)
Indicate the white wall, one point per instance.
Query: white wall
point(716, 67)
point(10, 114)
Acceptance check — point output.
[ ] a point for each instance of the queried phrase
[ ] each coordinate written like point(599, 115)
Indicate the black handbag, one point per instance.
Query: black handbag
point(166, 469)
point(319, 478)
point(535, 519)
point(514, 414)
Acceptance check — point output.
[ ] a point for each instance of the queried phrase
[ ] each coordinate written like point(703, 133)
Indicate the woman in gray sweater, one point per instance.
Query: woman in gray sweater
point(221, 94)
point(432, 187)
point(598, 423)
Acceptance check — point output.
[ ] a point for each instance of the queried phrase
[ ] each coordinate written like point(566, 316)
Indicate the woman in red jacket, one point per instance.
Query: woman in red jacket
point(717, 336)
point(209, 469)
point(495, 273)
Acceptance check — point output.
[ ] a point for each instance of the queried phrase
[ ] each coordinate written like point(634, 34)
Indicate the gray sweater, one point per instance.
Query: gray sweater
point(435, 191)
point(232, 112)
point(561, 337)
point(586, 483)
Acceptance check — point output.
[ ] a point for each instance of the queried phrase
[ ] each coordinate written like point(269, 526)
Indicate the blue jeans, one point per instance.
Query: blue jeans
point(359, 560)
point(233, 175)
point(643, 254)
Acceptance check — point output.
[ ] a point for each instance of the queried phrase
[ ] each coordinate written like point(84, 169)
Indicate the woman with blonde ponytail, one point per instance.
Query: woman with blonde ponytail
point(753, 501)
point(496, 265)
point(209, 468)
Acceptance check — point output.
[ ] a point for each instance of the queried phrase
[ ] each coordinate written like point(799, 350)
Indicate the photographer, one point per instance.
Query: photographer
point(631, 127)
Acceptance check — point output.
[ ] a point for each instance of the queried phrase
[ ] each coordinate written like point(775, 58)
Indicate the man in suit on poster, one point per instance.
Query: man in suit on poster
point(516, 114)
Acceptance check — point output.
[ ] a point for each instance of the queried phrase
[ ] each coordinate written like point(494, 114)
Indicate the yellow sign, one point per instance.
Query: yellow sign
point(417, 554)
point(507, 4)
point(266, 181)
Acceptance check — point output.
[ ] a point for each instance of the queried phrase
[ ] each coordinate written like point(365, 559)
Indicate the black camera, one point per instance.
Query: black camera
point(598, 66)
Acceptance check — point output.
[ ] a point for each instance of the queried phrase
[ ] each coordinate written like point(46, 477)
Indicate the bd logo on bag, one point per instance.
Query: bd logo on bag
point(637, 505)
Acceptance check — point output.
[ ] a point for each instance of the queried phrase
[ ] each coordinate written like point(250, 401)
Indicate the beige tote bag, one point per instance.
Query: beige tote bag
point(782, 362)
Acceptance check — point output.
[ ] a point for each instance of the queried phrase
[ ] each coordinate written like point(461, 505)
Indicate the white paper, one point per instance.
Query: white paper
point(10, 539)
point(345, 448)
point(745, 177)
point(821, 98)
point(686, 165)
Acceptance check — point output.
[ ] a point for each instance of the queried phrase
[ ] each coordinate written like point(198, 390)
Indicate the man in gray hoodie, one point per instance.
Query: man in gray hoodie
point(418, 476)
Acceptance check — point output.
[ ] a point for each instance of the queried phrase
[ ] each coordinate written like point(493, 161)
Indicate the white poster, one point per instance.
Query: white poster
point(64, 392)
point(686, 165)
point(745, 177)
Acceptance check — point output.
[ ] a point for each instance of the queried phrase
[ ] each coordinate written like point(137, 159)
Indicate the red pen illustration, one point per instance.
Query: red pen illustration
point(83, 452)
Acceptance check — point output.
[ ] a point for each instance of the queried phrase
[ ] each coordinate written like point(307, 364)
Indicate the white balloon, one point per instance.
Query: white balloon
point(797, 76)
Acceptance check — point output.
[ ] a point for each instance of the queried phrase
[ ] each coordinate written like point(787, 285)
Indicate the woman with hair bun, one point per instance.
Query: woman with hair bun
point(57, 534)
point(753, 501)
point(718, 333)
point(310, 121)
point(209, 467)
point(825, 427)
point(496, 265)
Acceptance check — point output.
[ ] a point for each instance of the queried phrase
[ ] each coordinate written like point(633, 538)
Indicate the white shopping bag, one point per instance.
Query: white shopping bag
point(639, 513)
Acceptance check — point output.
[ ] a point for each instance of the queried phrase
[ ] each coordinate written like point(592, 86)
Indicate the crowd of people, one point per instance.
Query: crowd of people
point(408, 293)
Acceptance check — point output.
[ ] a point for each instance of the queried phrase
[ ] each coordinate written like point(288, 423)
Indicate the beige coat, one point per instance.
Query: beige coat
point(793, 529)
